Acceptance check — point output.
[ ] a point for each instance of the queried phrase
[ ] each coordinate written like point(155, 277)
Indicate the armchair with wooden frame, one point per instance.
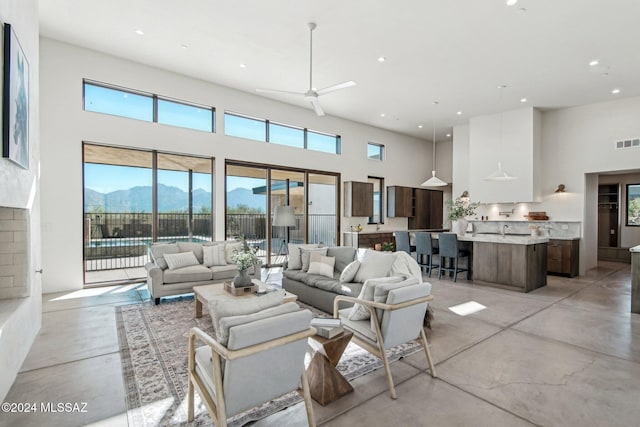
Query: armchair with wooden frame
point(262, 360)
point(397, 315)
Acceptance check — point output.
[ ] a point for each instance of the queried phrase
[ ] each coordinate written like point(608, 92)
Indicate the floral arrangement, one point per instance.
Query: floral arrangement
point(459, 209)
point(245, 257)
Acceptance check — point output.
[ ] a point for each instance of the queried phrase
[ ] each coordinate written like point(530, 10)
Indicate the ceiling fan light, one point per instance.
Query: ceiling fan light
point(434, 181)
point(500, 175)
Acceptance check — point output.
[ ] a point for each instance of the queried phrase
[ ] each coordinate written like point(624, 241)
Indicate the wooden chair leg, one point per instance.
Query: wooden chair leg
point(425, 344)
point(306, 394)
point(387, 371)
point(190, 398)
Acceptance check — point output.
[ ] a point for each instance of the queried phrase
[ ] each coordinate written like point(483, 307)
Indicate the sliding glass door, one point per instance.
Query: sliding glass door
point(135, 197)
point(254, 190)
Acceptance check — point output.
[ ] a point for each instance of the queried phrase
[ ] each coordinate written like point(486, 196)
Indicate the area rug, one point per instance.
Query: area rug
point(153, 349)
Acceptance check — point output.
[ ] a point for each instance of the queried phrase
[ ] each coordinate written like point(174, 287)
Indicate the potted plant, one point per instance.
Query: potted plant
point(459, 209)
point(244, 258)
point(387, 246)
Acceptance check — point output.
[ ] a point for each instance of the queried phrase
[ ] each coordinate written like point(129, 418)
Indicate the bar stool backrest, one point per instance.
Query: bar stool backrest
point(448, 245)
point(424, 244)
point(402, 241)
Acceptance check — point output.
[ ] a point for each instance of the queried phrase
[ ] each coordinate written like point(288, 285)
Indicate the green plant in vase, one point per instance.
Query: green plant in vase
point(244, 258)
point(459, 210)
point(387, 246)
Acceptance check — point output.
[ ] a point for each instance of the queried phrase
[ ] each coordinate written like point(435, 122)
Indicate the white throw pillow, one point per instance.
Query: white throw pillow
point(214, 255)
point(306, 253)
point(183, 259)
point(322, 265)
point(349, 272)
point(295, 257)
point(374, 264)
point(360, 311)
point(229, 248)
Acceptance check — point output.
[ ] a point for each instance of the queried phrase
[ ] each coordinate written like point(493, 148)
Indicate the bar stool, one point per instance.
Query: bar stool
point(449, 250)
point(402, 241)
point(425, 251)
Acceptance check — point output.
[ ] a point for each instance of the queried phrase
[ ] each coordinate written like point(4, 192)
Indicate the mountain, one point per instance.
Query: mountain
point(170, 199)
point(244, 196)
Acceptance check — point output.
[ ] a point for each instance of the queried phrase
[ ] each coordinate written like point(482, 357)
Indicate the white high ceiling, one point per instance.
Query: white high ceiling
point(453, 51)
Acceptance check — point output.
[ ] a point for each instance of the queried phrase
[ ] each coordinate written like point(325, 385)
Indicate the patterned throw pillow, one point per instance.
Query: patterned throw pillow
point(183, 259)
point(349, 272)
point(214, 255)
point(322, 265)
point(306, 253)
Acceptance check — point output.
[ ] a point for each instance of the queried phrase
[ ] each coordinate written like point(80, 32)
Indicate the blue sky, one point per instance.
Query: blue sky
point(107, 178)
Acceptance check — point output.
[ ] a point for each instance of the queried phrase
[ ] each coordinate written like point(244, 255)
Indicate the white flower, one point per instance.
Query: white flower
point(245, 257)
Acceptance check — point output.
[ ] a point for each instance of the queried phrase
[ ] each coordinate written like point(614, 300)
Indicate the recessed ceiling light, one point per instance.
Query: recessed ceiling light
point(511, 2)
point(140, 32)
point(615, 91)
point(604, 74)
point(420, 126)
point(523, 99)
point(381, 114)
point(381, 59)
point(243, 65)
point(594, 63)
point(448, 135)
point(522, 10)
point(459, 113)
point(184, 46)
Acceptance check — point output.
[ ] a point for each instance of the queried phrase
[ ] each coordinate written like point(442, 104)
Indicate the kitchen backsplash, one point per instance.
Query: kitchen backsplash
point(558, 229)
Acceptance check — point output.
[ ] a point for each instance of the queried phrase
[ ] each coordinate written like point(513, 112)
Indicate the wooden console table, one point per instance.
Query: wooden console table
point(325, 381)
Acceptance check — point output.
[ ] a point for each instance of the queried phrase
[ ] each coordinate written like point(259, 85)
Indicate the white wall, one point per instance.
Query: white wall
point(65, 125)
point(512, 138)
point(575, 142)
point(20, 319)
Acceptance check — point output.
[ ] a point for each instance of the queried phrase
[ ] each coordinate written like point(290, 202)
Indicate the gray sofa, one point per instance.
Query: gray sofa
point(163, 281)
point(319, 291)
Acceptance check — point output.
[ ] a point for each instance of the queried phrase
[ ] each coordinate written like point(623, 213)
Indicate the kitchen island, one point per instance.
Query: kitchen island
point(516, 262)
point(511, 261)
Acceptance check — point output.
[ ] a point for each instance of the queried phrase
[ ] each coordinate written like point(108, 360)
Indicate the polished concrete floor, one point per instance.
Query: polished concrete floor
point(564, 355)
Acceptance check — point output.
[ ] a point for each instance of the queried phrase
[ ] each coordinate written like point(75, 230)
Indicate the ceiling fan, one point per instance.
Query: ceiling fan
point(312, 95)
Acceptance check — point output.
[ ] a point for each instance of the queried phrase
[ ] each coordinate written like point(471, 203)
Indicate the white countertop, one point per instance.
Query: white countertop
point(635, 249)
point(519, 239)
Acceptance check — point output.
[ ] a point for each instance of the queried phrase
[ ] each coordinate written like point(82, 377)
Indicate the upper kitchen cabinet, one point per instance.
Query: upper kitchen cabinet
point(427, 209)
point(517, 144)
point(358, 199)
point(399, 201)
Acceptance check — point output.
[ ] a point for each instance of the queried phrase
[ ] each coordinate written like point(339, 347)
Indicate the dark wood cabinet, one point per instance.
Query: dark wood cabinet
point(399, 201)
point(367, 240)
point(517, 267)
point(563, 257)
point(427, 209)
point(358, 199)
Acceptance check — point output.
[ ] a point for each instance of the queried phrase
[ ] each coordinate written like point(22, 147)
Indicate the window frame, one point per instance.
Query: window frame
point(154, 104)
point(382, 151)
point(267, 124)
point(627, 205)
point(380, 201)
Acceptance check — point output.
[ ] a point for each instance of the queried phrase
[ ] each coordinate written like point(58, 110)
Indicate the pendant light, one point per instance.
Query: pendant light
point(500, 174)
point(434, 181)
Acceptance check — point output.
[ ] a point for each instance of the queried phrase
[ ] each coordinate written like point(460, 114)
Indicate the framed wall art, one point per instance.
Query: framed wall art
point(15, 101)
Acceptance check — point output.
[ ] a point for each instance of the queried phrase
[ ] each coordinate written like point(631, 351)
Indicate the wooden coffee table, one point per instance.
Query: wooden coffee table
point(325, 381)
point(206, 293)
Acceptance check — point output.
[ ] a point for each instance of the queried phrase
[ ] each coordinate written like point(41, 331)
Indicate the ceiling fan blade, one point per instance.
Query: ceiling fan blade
point(282, 92)
point(316, 106)
point(334, 88)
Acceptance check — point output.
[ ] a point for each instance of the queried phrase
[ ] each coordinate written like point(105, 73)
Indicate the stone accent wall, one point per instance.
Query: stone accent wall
point(14, 253)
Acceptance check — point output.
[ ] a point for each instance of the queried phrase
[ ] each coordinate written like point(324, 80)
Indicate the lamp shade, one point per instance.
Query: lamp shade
point(284, 217)
point(434, 181)
point(500, 175)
